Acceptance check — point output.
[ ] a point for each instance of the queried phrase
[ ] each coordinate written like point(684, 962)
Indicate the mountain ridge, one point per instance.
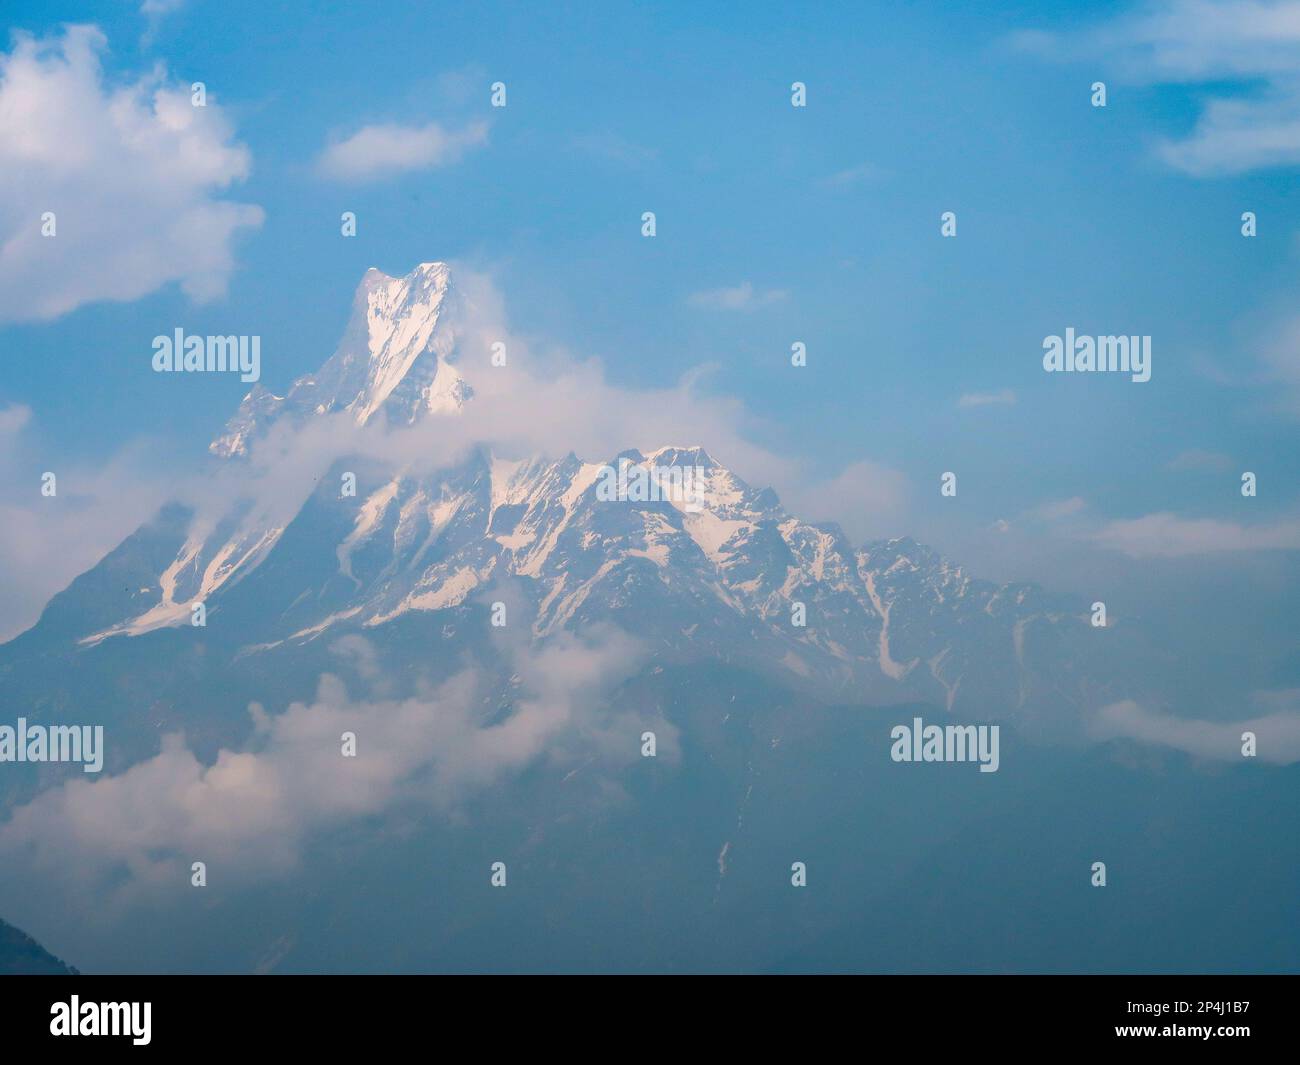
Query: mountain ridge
point(21, 955)
point(732, 574)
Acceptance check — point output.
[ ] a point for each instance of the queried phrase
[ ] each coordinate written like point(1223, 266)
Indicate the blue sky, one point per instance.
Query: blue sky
point(1068, 215)
point(775, 224)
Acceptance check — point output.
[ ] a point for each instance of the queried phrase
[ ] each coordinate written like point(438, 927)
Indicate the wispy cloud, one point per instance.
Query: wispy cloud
point(1059, 509)
point(249, 813)
point(12, 420)
point(742, 297)
point(851, 176)
point(1006, 397)
point(1253, 43)
point(1167, 535)
point(154, 11)
point(1198, 459)
point(387, 149)
point(1277, 734)
point(47, 541)
point(866, 498)
point(615, 149)
point(1280, 354)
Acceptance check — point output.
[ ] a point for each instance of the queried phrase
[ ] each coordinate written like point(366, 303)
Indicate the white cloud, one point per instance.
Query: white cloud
point(1236, 136)
point(1198, 459)
point(1277, 734)
point(1062, 508)
point(47, 541)
point(1005, 397)
point(12, 420)
point(382, 150)
point(132, 836)
point(1280, 356)
point(1203, 40)
point(854, 175)
point(865, 498)
point(551, 402)
point(613, 148)
point(742, 297)
point(1254, 43)
point(130, 171)
point(154, 11)
point(1166, 535)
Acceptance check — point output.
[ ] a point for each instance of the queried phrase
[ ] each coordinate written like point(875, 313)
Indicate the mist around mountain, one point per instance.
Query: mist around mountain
point(382, 553)
point(427, 523)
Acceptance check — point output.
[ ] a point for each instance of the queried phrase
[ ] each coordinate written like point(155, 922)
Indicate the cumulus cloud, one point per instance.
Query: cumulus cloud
point(742, 297)
point(130, 172)
point(1167, 535)
point(249, 813)
point(1277, 734)
point(1005, 397)
point(383, 150)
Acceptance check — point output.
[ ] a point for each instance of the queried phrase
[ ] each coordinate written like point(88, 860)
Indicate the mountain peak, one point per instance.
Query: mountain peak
point(395, 358)
point(433, 269)
point(400, 336)
point(677, 455)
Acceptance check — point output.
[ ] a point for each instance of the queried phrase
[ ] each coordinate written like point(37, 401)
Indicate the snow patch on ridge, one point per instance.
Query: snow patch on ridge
point(895, 670)
point(370, 515)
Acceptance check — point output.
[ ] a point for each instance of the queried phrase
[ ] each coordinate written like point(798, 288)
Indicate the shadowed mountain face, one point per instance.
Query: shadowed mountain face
point(684, 866)
point(20, 955)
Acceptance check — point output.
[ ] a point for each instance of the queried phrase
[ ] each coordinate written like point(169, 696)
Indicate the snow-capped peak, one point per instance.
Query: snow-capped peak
point(406, 323)
point(395, 357)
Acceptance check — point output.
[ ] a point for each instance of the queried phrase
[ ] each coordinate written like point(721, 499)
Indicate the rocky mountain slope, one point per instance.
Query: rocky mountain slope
point(726, 575)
